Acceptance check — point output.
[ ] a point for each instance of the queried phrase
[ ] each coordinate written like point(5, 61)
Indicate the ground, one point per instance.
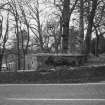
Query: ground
point(96, 60)
point(52, 94)
point(55, 94)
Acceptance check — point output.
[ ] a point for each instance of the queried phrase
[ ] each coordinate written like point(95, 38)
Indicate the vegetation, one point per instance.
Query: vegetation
point(77, 75)
point(53, 26)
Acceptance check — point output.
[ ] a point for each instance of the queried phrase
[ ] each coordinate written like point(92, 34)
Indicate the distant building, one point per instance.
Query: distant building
point(31, 62)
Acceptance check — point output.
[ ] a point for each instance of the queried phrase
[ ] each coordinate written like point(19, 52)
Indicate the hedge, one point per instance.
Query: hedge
point(64, 75)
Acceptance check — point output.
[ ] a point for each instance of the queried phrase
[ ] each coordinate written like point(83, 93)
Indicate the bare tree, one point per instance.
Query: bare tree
point(66, 14)
point(3, 38)
point(82, 25)
point(90, 18)
point(98, 24)
point(23, 33)
point(34, 12)
point(13, 9)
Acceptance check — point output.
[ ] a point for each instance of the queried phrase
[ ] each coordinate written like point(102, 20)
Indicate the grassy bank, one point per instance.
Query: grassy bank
point(66, 75)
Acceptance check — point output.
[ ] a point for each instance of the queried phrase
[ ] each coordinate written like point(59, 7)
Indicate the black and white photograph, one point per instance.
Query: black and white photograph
point(52, 52)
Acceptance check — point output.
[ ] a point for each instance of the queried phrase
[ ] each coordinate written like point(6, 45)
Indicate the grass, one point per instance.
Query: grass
point(92, 71)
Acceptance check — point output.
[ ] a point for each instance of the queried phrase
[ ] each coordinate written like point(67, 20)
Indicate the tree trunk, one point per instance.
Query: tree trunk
point(66, 19)
point(18, 49)
point(60, 39)
point(40, 36)
point(82, 25)
point(24, 61)
point(18, 55)
point(1, 57)
point(56, 44)
point(90, 25)
point(39, 28)
point(88, 38)
point(96, 46)
point(96, 43)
